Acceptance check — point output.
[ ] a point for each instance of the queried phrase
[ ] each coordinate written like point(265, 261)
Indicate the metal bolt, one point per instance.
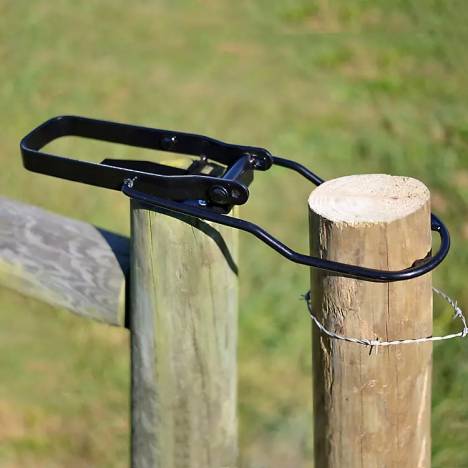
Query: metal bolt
point(130, 181)
point(168, 143)
point(219, 194)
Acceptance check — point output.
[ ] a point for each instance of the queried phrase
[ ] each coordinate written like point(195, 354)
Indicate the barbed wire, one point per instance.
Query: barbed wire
point(376, 342)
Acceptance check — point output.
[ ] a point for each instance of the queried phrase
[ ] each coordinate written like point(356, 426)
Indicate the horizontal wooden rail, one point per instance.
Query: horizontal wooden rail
point(63, 262)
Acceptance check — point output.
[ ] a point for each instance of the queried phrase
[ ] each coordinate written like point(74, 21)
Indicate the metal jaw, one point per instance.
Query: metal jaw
point(207, 189)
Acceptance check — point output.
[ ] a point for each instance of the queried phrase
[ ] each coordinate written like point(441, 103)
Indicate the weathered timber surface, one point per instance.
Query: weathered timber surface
point(372, 407)
point(183, 322)
point(63, 262)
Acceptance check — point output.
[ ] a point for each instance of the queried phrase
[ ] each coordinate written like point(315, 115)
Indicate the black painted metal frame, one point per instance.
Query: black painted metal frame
point(190, 192)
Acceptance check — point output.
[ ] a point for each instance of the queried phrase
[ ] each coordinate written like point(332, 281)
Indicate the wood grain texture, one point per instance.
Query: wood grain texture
point(372, 409)
point(63, 262)
point(183, 323)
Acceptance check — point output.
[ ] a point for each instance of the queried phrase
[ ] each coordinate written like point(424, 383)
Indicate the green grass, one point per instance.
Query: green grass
point(361, 86)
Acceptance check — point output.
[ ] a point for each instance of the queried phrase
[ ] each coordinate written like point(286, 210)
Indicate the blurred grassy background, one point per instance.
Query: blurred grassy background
point(351, 86)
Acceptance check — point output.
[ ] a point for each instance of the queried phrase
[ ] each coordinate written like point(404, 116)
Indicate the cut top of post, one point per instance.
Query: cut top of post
point(368, 198)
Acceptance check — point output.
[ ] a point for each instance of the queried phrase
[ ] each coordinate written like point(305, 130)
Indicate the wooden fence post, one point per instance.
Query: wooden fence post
point(371, 407)
point(183, 322)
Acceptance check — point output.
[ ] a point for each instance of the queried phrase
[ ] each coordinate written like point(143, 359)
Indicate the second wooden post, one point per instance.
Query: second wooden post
point(372, 407)
point(183, 323)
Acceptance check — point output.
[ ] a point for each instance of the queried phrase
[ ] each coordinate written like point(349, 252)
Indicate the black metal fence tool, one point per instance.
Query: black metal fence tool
point(216, 180)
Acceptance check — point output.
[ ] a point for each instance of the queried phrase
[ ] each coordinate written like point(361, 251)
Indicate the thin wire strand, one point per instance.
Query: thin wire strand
point(377, 342)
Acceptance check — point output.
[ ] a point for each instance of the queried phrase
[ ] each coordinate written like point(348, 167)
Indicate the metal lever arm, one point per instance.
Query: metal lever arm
point(230, 189)
point(178, 191)
point(354, 271)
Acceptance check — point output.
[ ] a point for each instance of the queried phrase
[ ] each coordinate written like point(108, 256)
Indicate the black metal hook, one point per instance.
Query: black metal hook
point(205, 190)
point(354, 271)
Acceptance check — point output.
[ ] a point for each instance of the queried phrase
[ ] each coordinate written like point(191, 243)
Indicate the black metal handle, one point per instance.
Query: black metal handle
point(192, 193)
point(110, 174)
